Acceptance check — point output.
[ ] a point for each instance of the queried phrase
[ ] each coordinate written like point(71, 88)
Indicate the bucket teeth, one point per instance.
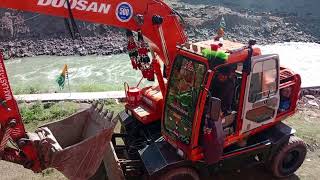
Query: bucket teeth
point(109, 115)
point(116, 119)
point(94, 104)
point(99, 107)
point(104, 112)
point(101, 115)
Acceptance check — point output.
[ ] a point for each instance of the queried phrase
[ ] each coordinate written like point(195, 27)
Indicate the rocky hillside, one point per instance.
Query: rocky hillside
point(28, 34)
point(241, 26)
point(24, 25)
point(300, 8)
point(297, 15)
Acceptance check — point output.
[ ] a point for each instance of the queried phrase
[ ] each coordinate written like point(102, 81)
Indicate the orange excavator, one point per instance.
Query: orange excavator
point(220, 105)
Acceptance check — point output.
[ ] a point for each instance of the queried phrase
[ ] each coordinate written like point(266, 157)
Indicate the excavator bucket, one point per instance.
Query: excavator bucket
point(76, 145)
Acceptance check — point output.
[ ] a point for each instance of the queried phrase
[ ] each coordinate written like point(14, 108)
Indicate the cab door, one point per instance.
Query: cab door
point(262, 92)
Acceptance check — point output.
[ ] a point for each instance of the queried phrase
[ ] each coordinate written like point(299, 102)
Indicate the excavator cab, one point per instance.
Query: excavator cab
point(249, 103)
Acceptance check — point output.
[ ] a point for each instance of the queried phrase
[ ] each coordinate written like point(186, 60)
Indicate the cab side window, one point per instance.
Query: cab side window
point(263, 81)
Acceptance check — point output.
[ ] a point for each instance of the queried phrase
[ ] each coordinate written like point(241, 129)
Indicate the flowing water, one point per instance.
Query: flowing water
point(89, 73)
point(101, 73)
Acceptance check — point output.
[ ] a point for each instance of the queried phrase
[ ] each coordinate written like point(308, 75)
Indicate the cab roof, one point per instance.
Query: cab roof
point(237, 51)
point(227, 45)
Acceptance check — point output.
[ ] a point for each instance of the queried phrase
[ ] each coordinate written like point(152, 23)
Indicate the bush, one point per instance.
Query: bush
point(38, 111)
point(28, 90)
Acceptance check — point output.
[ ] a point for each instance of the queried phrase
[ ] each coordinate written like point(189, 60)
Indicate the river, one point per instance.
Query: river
point(303, 58)
point(101, 73)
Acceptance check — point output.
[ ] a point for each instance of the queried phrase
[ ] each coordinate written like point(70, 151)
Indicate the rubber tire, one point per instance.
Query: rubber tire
point(182, 173)
point(294, 144)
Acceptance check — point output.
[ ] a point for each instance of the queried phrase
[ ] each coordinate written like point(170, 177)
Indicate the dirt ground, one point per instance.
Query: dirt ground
point(306, 122)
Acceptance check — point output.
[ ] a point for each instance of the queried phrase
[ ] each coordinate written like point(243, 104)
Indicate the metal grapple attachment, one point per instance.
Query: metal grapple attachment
point(76, 145)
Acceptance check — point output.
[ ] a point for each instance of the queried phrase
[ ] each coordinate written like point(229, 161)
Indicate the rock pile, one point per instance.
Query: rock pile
point(310, 98)
point(63, 47)
point(266, 28)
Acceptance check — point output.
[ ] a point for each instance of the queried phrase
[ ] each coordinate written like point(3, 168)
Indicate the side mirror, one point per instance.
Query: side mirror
point(215, 108)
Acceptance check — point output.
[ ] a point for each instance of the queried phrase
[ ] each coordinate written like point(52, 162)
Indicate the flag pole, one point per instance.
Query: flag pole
point(69, 87)
point(68, 83)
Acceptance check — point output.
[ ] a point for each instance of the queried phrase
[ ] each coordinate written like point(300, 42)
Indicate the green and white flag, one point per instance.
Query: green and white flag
point(61, 79)
point(222, 23)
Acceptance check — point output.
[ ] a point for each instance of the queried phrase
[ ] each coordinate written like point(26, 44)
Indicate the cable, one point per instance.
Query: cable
point(66, 22)
point(76, 33)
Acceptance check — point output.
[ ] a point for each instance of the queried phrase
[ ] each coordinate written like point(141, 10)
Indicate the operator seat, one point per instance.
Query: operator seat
point(228, 123)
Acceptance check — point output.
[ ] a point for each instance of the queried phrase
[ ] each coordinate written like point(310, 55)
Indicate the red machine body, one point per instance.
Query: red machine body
point(133, 95)
point(180, 103)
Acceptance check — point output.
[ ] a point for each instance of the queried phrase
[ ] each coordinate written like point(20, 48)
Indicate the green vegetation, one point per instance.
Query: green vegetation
point(37, 89)
point(113, 105)
point(36, 114)
point(45, 111)
point(306, 123)
point(28, 89)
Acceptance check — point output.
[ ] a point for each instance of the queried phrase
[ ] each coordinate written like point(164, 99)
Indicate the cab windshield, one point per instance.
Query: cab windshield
point(183, 91)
